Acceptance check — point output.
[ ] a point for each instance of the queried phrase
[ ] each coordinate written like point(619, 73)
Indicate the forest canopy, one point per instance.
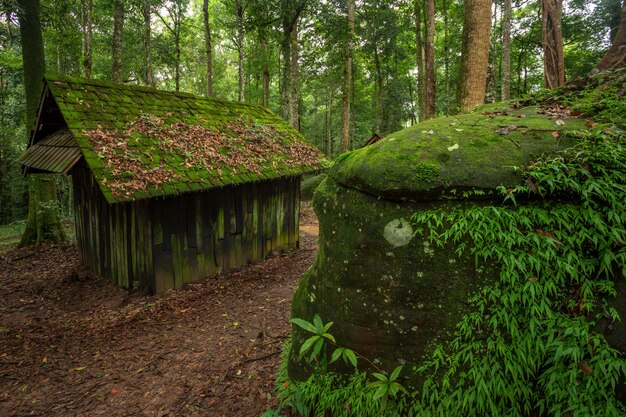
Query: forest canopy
point(292, 56)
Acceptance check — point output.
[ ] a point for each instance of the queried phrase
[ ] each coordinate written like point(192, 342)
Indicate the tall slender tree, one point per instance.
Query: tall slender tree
point(446, 56)
point(474, 54)
point(294, 73)
point(43, 222)
point(176, 13)
point(506, 50)
point(118, 34)
point(430, 60)
point(87, 36)
point(345, 114)
point(239, 11)
point(209, 48)
point(421, 73)
point(147, 19)
point(552, 40)
point(290, 12)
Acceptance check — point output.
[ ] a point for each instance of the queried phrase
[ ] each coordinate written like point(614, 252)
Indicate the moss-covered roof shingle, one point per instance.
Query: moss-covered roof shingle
point(141, 142)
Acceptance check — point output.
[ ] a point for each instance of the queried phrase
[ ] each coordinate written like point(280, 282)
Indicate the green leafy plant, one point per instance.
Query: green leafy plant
point(533, 342)
point(387, 386)
point(320, 334)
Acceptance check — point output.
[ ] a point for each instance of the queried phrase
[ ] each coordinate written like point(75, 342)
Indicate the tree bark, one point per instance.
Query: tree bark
point(209, 49)
point(421, 74)
point(147, 18)
point(474, 54)
point(43, 222)
point(421, 77)
point(239, 13)
point(615, 57)
point(490, 92)
point(329, 121)
point(379, 90)
point(294, 110)
point(88, 58)
point(430, 60)
point(89, 46)
point(118, 31)
point(506, 50)
point(552, 40)
point(290, 13)
point(446, 58)
point(266, 71)
point(345, 110)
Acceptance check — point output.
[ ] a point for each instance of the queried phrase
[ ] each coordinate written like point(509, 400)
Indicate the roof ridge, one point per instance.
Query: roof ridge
point(52, 78)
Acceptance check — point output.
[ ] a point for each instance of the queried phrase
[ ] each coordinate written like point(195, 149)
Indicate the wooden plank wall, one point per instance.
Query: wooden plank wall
point(157, 244)
point(114, 241)
point(197, 235)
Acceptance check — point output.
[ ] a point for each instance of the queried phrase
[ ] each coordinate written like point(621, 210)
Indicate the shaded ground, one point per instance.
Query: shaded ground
point(72, 344)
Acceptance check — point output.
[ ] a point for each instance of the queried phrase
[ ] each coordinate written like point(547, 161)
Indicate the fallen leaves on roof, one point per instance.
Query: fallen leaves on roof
point(150, 153)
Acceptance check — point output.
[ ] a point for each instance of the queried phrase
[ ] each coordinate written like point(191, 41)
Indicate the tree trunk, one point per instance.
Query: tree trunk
point(118, 31)
point(329, 121)
point(290, 13)
point(147, 18)
point(43, 221)
point(430, 60)
point(294, 111)
point(492, 74)
point(615, 57)
point(421, 74)
point(379, 91)
point(345, 109)
point(239, 13)
point(553, 65)
point(266, 71)
point(474, 54)
point(446, 58)
point(87, 36)
point(209, 49)
point(506, 50)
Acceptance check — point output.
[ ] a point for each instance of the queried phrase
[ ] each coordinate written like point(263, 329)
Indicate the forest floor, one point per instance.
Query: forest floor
point(72, 344)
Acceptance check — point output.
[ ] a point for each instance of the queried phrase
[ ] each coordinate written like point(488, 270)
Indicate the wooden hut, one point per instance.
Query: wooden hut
point(375, 138)
point(170, 188)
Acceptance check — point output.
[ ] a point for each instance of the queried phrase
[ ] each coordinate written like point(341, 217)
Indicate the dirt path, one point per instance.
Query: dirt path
point(74, 345)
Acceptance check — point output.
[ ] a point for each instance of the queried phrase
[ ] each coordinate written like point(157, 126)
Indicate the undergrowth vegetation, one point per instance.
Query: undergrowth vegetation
point(534, 342)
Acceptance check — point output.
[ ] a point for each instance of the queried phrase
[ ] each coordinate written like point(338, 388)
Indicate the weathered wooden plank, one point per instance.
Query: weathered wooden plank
point(220, 224)
point(192, 220)
point(177, 261)
point(192, 262)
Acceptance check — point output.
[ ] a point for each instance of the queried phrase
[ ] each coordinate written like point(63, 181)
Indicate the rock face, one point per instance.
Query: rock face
point(391, 295)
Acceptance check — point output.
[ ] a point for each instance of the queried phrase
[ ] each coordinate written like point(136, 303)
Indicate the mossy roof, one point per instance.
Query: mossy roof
point(141, 142)
point(479, 150)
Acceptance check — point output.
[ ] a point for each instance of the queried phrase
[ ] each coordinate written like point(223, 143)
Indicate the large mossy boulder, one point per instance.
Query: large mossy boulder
point(392, 295)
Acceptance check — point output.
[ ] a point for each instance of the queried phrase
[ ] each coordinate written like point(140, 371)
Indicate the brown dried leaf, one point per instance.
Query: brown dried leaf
point(586, 368)
point(532, 185)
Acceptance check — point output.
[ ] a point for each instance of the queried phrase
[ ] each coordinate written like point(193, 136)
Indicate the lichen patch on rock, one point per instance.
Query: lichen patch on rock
point(398, 232)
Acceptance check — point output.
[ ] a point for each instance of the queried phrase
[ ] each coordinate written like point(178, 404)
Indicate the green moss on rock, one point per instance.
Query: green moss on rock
point(479, 150)
point(390, 294)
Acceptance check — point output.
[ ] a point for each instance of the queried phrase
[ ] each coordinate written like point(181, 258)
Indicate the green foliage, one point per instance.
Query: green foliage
point(531, 344)
point(327, 393)
point(320, 334)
